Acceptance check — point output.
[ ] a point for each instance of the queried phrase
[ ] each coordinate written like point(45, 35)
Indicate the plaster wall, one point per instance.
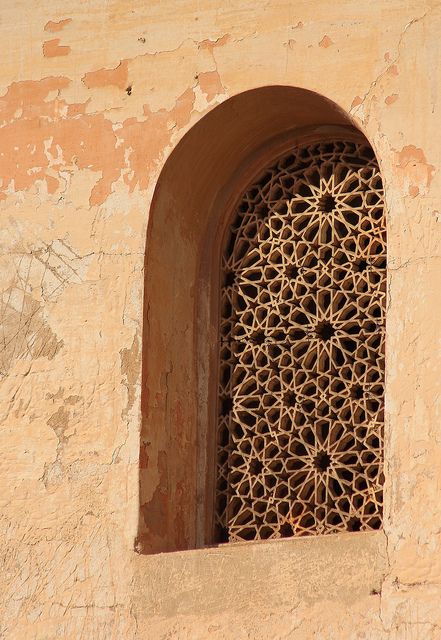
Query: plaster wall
point(94, 98)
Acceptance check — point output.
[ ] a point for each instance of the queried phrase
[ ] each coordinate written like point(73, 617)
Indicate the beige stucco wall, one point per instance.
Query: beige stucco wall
point(94, 96)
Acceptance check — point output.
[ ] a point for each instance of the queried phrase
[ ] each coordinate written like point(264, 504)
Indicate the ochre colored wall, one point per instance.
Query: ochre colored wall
point(94, 97)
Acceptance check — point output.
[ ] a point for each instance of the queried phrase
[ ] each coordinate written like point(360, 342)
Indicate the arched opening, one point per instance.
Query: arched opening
point(195, 193)
point(300, 412)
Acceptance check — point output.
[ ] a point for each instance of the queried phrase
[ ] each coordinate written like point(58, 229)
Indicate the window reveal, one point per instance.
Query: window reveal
point(301, 397)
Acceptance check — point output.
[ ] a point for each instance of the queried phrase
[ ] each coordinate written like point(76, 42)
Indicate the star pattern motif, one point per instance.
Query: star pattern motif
point(301, 395)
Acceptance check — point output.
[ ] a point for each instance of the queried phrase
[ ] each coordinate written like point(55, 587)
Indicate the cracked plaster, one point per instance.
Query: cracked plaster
point(78, 165)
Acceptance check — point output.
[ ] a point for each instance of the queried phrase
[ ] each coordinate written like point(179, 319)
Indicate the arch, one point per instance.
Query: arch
point(197, 186)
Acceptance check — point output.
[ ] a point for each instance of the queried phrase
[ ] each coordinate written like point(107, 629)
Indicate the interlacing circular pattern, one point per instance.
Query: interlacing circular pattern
point(301, 397)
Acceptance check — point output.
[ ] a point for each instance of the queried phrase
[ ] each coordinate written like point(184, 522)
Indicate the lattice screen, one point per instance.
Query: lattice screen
point(301, 398)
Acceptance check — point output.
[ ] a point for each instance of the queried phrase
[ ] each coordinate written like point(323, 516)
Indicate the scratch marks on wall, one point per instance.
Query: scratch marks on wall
point(37, 278)
point(24, 330)
point(61, 266)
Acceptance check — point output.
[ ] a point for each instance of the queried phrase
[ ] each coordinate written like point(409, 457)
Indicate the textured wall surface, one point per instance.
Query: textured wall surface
point(94, 97)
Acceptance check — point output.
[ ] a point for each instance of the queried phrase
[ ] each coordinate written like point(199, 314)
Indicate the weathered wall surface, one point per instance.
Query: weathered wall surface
point(94, 96)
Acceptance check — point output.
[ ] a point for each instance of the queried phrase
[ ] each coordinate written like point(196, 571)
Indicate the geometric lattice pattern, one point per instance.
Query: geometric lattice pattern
point(301, 394)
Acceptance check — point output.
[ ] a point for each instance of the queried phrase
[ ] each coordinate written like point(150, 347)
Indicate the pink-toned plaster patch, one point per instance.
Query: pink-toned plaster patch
point(414, 172)
point(391, 99)
point(212, 44)
point(210, 84)
point(117, 77)
point(56, 26)
point(53, 49)
point(325, 42)
point(146, 139)
point(50, 135)
point(31, 144)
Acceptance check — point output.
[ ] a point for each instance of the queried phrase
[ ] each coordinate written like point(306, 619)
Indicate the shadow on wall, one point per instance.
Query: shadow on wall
point(191, 205)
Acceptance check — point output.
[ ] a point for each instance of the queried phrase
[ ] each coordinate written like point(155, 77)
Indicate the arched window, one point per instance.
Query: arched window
point(301, 353)
point(262, 407)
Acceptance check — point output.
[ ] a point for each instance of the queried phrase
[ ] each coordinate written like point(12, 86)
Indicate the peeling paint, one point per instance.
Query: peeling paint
point(414, 172)
point(51, 135)
point(59, 422)
point(53, 49)
point(213, 44)
point(130, 366)
point(392, 70)
point(56, 26)
point(325, 42)
point(210, 84)
point(95, 96)
point(117, 77)
point(45, 128)
point(145, 140)
point(391, 99)
point(25, 334)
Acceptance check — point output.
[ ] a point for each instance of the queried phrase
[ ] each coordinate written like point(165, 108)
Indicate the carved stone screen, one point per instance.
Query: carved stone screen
point(301, 397)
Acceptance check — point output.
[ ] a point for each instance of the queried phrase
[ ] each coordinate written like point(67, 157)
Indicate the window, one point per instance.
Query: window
point(301, 353)
point(242, 442)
